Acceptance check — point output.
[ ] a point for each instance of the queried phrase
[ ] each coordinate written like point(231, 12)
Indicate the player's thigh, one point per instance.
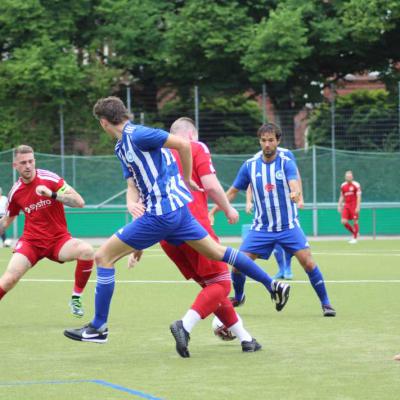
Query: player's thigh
point(179, 257)
point(346, 215)
point(208, 247)
point(18, 265)
point(111, 251)
point(74, 249)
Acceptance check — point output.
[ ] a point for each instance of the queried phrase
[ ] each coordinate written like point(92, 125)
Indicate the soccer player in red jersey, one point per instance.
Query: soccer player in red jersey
point(212, 276)
point(349, 204)
point(41, 196)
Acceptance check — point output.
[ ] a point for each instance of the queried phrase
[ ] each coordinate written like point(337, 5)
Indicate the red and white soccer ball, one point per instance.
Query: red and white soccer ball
point(221, 330)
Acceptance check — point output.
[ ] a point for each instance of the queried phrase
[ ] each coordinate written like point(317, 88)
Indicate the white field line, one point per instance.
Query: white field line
point(190, 282)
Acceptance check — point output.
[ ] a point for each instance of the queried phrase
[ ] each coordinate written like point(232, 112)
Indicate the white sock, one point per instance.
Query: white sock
point(241, 333)
point(190, 319)
point(76, 294)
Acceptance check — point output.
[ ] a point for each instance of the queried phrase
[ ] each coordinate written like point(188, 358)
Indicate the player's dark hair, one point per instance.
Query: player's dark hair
point(270, 128)
point(112, 109)
point(23, 149)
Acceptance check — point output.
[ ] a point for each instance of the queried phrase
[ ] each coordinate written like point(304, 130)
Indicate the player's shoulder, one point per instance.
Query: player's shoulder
point(343, 184)
point(356, 184)
point(199, 147)
point(254, 158)
point(15, 188)
point(47, 175)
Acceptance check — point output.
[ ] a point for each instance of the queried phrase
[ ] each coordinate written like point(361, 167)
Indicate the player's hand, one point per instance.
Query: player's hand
point(42, 190)
point(211, 217)
point(232, 215)
point(358, 210)
point(340, 209)
point(194, 186)
point(295, 196)
point(134, 258)
point(300, 203)
point(136, 209)
point(249, 207)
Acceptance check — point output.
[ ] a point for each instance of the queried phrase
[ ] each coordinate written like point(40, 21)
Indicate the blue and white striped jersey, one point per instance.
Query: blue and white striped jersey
point(273, 209)
point(281, 150)
point(153, 169)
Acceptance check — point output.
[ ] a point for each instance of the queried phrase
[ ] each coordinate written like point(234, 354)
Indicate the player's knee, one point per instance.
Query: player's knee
point(344, 221)
point(86, 252)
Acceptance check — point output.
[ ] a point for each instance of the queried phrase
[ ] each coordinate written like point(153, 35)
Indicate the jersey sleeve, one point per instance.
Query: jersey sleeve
point(147, 139)
point(202, 162)
point(13, 208)
point(291, 155)
point(291, 170)
point(242, 179)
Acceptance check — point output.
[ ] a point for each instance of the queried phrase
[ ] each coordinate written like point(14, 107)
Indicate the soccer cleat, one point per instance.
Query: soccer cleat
point(280, 294)
point(353, 241)
point(288, 275)
point(236, 303)
point(76, 307)
point(278, 275)
point(181, 338)
point(251, 347)
point(328, 311)
point(88, 333)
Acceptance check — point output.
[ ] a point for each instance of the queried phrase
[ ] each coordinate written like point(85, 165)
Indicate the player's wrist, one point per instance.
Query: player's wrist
point(54, 195)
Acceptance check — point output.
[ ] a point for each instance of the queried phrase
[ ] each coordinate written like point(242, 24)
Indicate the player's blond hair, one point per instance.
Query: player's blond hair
point(23, 149)
point(184, 125)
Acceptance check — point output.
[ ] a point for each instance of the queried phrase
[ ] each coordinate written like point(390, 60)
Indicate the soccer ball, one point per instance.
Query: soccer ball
point(221, 330)
point(7, 243)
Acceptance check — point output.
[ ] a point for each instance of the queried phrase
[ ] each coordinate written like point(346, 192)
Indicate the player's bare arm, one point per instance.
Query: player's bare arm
point(340, 203)
point(295, 192)
point(5, 222)
point(358, 206)
point(214, 189)
point(182, 146)
point(66, 195)
point(231, 194)
point(249, 200)
point(300, 203)
point(133, 201)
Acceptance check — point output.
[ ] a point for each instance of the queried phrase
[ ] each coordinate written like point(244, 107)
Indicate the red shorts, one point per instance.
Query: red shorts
point(349, 213)
point(35, 251)
point(192, 264)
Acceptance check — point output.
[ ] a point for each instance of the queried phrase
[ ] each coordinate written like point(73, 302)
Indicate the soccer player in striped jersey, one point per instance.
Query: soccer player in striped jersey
point(213, 276)
point(41, 196)
point(275, 185)
point(153, 177)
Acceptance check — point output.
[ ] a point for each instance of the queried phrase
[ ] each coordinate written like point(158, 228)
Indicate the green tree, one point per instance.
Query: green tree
point(365, 120)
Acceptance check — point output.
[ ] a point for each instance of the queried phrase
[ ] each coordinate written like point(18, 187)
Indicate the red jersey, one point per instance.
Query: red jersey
point(44, 217)
point(350, 191)
point(202, 165)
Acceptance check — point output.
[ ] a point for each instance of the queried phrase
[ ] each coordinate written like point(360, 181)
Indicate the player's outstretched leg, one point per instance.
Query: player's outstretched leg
point(279, 291)
point(280, 260)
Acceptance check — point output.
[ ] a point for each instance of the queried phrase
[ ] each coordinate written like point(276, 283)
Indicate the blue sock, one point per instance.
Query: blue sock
point(104, 291)
point(288, 259)
point(317, 282)
point(238, 281)
point(247, 266)
point(280, 259)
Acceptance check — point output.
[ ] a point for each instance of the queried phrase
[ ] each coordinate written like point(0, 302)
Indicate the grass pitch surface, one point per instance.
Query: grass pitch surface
point(304, 356)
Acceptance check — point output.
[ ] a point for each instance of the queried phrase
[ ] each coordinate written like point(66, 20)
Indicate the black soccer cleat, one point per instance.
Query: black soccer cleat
point(280, 294)
point(251, 347)
point(328, 311)
point(236, 303)
point(87, 333)
point(181, 337)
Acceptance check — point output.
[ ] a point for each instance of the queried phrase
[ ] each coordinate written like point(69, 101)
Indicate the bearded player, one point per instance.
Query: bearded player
point(41, 196)
point(349, 204)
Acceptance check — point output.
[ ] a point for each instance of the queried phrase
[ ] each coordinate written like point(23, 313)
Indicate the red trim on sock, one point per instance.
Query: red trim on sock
point(2, 293)
point(82, 274)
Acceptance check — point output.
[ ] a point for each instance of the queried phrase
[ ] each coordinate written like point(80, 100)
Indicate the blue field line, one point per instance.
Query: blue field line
point(95, 381)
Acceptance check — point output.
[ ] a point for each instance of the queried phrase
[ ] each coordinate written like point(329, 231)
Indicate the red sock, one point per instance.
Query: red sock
point(356, 229)
point(2, 293)
point(209, 299)
point(82, 273)
point(226, 313)
point(349, 227)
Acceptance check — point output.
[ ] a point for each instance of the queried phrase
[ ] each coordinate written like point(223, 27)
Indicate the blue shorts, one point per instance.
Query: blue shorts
point(175, 227)
point(262, 243)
